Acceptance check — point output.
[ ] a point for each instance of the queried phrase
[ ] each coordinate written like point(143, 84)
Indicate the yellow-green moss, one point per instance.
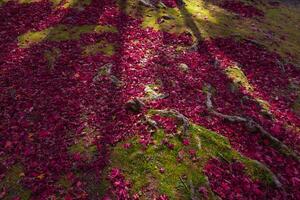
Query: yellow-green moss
point(265, 106)
point(61, 33)
point(141, 166)
point(212, 21)
point(76, 3)
point(29, 38)
point(238, 77)
point(66, 4)
point(12, 183)
point(173, 19)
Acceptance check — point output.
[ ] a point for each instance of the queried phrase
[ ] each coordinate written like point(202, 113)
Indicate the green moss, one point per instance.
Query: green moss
point(12, 183)
point(107, 28)
point(100, 47)
point(238, 77)
point(276, 21)
point(141, 165)
point(29, 38)
point(67, 4)
point(76, 3)
point(212, 21)
point(61, 33)
point(265, 106)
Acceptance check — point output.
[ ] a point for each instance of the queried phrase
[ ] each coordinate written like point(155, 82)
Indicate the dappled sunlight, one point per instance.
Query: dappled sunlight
point(149, 99)
point(171, 19)
point(61, 33)
point(79, 4)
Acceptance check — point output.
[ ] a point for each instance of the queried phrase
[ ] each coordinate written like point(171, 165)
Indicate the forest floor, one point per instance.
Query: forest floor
point(149, 99)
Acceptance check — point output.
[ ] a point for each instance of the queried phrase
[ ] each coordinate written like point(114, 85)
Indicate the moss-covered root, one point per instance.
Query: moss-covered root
point(177, 170)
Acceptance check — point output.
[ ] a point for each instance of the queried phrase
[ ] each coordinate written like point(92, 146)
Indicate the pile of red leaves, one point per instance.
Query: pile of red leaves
point(225, 178)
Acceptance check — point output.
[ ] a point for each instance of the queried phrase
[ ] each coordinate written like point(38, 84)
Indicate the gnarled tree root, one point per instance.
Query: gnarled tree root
point(169, 113)
point(251, 124)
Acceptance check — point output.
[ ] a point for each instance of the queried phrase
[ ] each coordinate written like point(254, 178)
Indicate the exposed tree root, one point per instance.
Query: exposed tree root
point(173, 114)
point(146, 3)
point(251, 125)
point(152, 123)
point(134, 105)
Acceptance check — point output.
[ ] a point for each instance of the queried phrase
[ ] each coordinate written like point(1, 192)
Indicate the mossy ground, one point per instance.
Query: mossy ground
point(142, 165)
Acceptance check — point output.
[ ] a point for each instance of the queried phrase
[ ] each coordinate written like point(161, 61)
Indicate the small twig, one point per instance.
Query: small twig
point(185, 186)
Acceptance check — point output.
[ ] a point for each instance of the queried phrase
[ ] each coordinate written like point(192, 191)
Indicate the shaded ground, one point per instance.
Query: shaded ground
point(103, 99)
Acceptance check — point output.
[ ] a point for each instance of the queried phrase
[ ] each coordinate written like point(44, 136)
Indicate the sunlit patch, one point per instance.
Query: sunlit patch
point(238, 77)
point(66, 99)
point(54, 2)
point(236, 74)
point(79, 4)
point(273, 30)
point(30, 38)
point(61, 33)
point(75, 3)
point(173, 19)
